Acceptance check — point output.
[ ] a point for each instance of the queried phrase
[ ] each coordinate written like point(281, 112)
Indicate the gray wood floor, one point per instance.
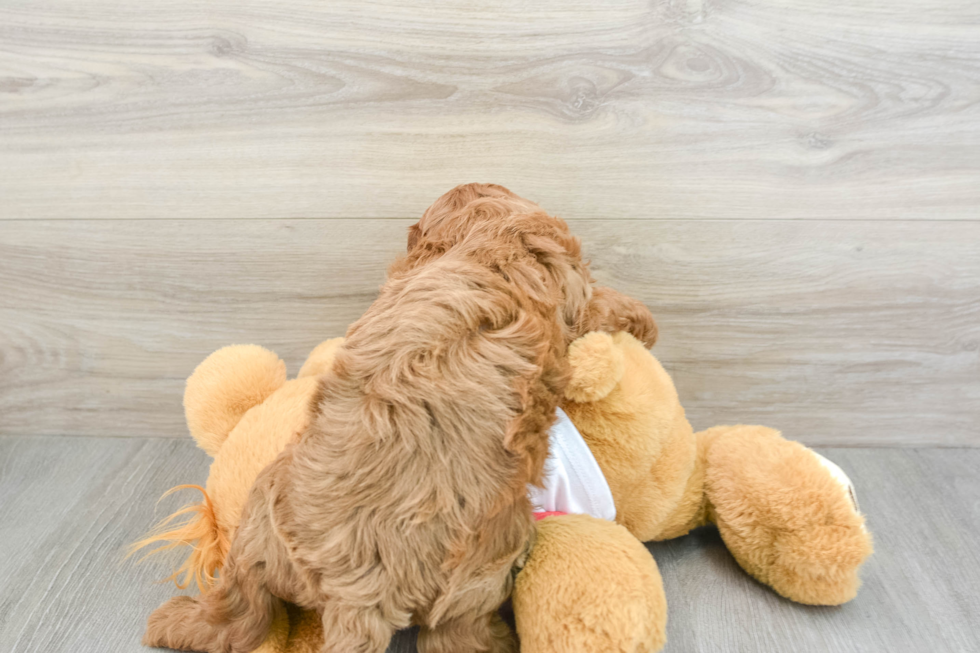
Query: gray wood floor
point(69, 506)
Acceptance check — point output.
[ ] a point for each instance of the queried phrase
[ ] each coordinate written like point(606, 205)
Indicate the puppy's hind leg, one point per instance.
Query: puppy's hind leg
point(233, 617)
point(469, 632)
point(348, 629)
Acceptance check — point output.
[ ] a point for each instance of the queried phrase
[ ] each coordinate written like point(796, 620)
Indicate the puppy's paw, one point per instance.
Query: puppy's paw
point(165, 626)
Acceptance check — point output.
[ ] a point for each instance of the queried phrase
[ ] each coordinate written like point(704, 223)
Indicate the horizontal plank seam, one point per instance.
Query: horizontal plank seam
point(416, 217)
point(834, 445)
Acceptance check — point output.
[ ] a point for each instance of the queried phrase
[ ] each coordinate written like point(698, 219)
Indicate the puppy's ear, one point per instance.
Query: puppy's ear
point(612, 311)
point(414, 233)
point(541, 376)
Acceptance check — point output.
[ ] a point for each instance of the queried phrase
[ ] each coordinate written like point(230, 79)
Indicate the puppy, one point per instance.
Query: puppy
point(406, 499)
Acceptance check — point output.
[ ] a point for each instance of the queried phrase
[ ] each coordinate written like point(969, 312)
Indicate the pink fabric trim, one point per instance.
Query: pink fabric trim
point(538, 516)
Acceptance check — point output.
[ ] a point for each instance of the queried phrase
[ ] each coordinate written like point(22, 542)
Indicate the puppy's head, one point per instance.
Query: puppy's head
point(492, 217)
point(451, 216)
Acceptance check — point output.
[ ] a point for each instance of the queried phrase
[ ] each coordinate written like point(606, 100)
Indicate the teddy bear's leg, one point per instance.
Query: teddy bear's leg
point(786, 518)
point(469, 633)
point(589, 586)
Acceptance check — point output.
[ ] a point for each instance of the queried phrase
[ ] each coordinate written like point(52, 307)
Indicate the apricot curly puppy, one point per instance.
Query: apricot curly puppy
point(406, 500)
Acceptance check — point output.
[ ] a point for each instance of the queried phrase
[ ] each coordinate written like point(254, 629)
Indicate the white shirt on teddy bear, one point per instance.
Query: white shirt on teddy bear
point(573, 481)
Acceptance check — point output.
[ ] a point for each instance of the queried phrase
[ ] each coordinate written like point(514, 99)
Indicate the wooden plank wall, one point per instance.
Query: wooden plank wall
point(794, 189)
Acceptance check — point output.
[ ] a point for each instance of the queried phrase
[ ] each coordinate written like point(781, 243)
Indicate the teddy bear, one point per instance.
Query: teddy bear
point(789, 517)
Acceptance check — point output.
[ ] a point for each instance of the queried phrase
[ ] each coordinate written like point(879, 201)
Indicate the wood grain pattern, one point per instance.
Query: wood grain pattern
point(69, 507)
point(847, 333)
point(690, 108)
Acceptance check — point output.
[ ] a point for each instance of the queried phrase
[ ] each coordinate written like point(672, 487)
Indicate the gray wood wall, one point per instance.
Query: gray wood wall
point(793, 188)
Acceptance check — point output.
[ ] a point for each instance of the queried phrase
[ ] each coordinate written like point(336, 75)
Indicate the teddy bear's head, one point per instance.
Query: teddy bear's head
point(625, 406)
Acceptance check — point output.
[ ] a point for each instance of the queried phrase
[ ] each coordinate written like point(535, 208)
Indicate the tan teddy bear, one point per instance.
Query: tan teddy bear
point(787, 515)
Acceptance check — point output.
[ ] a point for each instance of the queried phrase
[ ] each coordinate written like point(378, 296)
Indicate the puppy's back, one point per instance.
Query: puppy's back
point(407, 467)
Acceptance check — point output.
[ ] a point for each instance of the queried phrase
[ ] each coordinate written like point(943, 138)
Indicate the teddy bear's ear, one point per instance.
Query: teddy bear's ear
point(224, 387)
point(597, 366)
point(320, 359)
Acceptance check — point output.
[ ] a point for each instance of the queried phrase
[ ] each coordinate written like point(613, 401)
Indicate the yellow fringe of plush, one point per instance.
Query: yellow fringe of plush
point(201, 532)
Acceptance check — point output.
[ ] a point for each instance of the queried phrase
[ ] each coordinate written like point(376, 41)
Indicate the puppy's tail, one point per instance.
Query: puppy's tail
point(201, 532)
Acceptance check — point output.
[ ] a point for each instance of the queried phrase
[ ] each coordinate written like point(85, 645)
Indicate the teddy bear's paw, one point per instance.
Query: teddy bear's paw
point(847, 487)
point(818, 563)
point(815, 566)
point(597, 366)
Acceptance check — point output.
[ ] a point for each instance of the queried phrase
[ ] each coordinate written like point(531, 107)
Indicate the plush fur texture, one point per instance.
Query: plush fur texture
point(613, 601)
point(405, 498)
point(648, 452)
point(218, 401)
point(786, 520)
point(782, 516)
point(597, 366)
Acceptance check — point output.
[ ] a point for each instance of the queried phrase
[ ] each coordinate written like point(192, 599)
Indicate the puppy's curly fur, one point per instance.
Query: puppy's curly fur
point(406, 499)
point(452, 216)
